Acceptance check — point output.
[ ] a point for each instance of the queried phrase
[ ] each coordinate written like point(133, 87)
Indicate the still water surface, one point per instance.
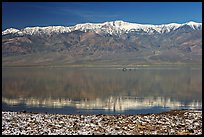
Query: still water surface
point(101, 90)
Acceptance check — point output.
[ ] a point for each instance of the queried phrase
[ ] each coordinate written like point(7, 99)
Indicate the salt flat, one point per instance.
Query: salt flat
point(186, 122)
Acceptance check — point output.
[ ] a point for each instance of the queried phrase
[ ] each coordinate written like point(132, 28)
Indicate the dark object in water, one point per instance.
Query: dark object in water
point(124, 69)
point(23, 111)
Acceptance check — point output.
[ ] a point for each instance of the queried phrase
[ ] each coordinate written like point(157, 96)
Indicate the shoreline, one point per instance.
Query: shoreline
point(174, 122)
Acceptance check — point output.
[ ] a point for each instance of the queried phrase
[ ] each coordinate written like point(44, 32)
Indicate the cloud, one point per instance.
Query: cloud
point(77, 12)
point(89, 14)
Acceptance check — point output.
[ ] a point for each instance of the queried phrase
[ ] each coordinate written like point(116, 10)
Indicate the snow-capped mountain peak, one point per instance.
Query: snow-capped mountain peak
point(113, 27)
point(193, 24)
point(10, 30)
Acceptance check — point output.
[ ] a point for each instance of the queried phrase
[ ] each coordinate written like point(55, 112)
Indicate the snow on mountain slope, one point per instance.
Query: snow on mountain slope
point(114, 27)
point(194, 25)
point(10, 30)
point(45, 30)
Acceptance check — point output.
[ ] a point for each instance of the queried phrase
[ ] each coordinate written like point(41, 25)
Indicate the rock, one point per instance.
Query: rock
point(183, 133)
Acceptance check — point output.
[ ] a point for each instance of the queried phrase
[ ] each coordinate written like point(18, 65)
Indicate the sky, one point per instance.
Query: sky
point(27, 14)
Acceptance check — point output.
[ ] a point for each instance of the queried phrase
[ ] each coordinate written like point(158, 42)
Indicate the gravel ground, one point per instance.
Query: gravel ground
point(185, 122)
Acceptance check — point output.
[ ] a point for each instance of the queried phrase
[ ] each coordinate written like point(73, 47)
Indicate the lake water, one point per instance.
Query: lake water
point(69, 90)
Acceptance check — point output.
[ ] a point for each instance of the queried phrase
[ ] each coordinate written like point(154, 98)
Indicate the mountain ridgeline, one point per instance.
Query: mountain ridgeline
point(116, 42)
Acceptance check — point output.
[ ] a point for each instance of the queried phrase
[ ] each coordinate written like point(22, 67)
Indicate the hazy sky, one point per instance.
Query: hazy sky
point(25, 14)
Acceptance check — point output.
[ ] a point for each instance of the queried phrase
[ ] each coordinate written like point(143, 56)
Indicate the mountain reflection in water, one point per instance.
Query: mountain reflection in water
point(103, 88)
point(113, 104)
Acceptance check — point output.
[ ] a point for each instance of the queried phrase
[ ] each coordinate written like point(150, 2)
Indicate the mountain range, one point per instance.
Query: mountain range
point(115, 43)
